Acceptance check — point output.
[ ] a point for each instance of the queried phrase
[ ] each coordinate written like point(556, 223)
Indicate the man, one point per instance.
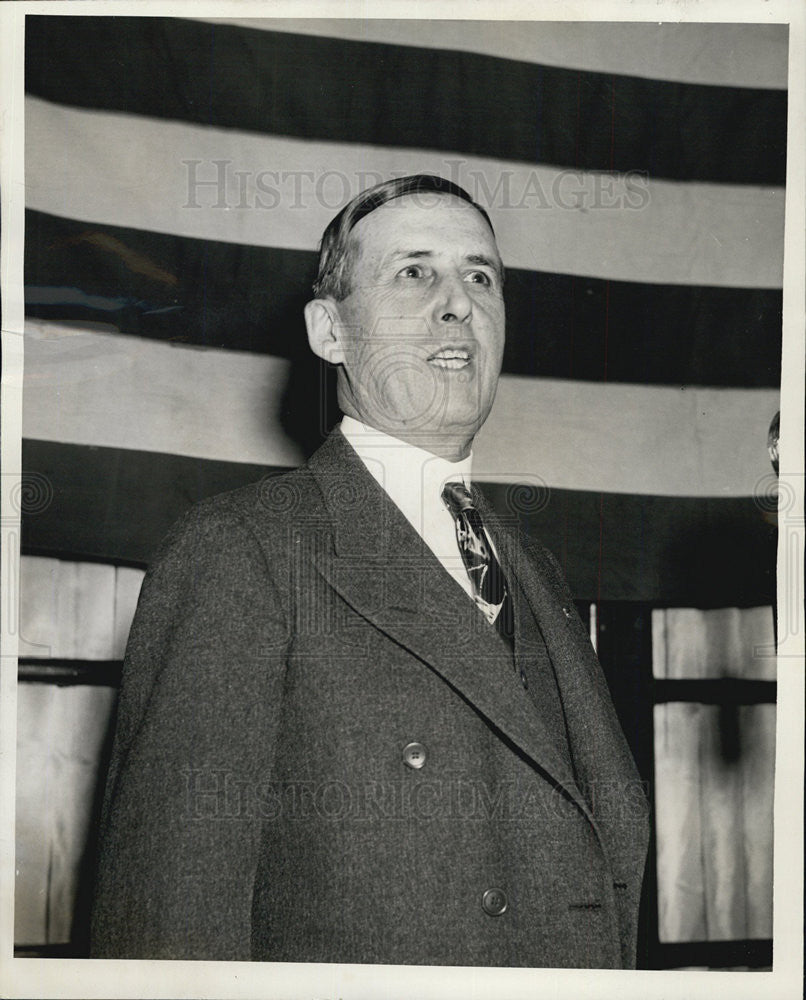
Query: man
point(360, 720)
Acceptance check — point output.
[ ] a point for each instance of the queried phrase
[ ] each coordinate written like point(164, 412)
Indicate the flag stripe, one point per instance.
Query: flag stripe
point(581, 436)
point(738, 55)
point(400, 96)
point(262, 190)
point(88, 387)
point(686, 552)
point(251, 299)
point(116, 504)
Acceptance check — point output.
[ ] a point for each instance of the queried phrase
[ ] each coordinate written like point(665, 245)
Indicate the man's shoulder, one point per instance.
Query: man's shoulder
point(262, 509)
point(259, 515)
point(275, 496)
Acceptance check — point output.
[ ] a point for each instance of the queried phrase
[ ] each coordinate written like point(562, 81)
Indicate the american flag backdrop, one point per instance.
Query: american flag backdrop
point(179, 173)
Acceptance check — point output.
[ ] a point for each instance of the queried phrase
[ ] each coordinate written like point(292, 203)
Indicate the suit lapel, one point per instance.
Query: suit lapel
point(387, 574)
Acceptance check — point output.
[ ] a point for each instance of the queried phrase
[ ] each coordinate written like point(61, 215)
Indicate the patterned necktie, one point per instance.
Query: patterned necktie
point(488, 580)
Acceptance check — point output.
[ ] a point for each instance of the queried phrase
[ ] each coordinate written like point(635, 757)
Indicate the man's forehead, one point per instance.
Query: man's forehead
point(437, 214)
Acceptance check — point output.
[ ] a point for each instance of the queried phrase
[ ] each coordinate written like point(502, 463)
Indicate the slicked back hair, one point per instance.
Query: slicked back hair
point(337, 251)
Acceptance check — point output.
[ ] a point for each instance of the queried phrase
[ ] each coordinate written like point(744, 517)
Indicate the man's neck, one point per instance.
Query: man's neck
point(371, 442)
point(451, 449)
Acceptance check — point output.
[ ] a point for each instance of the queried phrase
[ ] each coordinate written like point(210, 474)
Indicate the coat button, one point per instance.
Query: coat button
point(494, 902)
point(524, 679)
point(567, 612)
point(414, 755)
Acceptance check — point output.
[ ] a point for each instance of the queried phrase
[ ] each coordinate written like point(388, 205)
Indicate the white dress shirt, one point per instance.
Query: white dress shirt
point(413, 480)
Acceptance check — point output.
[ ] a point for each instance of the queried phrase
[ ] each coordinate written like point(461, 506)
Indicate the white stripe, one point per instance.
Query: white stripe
point(621, 438)
point(732, 55)
point(94, 388)
point(85, 387)
point(150, 174)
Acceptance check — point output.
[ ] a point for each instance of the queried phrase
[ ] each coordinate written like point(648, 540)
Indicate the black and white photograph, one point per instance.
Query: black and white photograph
point(402, 581)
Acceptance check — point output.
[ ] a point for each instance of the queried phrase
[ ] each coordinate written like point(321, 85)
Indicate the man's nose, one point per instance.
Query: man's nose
point(452, 303)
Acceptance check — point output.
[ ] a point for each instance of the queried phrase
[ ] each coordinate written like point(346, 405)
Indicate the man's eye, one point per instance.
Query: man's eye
point(411, 271)
point(478, 278)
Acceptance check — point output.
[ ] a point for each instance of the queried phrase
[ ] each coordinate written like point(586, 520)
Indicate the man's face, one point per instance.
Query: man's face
point(423, 326)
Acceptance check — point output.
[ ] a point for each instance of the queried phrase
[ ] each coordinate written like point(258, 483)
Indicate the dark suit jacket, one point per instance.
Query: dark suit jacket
point(292, 640)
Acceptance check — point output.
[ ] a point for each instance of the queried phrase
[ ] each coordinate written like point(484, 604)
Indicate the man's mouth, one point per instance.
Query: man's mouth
point(453, 358)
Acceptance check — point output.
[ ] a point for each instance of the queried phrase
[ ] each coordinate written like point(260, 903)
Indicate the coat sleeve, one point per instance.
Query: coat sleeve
point(197, 723)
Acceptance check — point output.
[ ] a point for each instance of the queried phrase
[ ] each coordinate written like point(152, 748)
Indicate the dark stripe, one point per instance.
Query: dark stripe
point(672, 551)
point(390, 95)
point(112, 504)
point(68, 673)
point(562, 326)
point(716, 691)
point(753, 953)
point(251, 298)
point(683, 552)
point(50, 951)
point(66, 555)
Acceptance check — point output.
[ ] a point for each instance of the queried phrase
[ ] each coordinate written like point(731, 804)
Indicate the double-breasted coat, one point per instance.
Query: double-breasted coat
point(324, 753)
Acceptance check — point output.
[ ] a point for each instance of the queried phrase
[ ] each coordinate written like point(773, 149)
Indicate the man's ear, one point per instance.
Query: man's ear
point(322, 323)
